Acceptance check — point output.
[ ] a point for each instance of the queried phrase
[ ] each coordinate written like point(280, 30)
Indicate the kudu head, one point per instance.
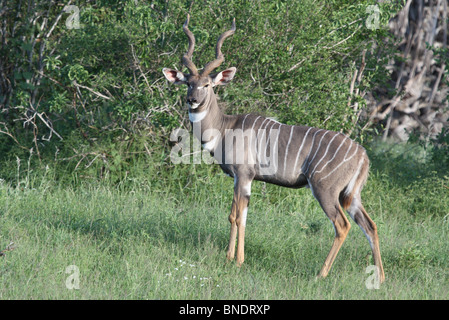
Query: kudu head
point(200, 84)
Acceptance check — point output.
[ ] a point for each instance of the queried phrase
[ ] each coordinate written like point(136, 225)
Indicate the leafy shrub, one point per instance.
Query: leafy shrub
point(80, 96)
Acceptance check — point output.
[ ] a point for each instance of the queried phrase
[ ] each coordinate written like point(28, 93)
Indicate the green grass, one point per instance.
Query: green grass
point(138, 243)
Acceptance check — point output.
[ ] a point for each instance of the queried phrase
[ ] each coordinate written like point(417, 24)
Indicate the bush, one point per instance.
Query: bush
point(93, 99)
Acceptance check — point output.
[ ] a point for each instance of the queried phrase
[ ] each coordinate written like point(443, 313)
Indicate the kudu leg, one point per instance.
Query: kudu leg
point(369, 228)
point(232, 217)
point(341, 227)
point(237, 218)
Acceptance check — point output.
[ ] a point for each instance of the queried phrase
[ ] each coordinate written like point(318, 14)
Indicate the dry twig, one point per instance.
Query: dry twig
point(9, 247)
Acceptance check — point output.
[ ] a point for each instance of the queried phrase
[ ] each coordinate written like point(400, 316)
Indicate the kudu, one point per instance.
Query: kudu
point(332, 165)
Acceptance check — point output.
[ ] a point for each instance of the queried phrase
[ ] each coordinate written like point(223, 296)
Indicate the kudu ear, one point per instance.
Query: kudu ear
point(223, 77)
point(175, 76)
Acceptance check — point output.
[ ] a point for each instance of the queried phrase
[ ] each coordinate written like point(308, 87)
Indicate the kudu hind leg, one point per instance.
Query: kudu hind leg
point(369, 228)
point(341, 228)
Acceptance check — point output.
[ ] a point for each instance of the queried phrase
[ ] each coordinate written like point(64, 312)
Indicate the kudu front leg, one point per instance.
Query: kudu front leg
point(232, 217)
point(237, 218)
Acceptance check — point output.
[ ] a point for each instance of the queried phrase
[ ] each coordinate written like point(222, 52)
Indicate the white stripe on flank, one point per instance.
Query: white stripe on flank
point(197, 116)
point(260, 128)
point(273, 119)
point(275, 146)
point(311, 145)
point(251, 149)
point(266, 140)
point(300, 148)
point(316, 152)
point(252, 128)
point(260, 139)
point(325, 153)
point(243, 122)
point(336, 152)
point(268, 137)
point(344, 159)
point(286, 150)
point(269, 140)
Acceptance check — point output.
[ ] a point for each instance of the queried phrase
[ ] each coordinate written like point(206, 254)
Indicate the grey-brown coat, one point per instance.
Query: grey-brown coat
point(252, 147)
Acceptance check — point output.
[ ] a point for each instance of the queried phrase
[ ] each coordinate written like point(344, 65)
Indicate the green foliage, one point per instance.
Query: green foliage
point(440, 148)
point(410, 170)
point(77, 73)
point(94, 86)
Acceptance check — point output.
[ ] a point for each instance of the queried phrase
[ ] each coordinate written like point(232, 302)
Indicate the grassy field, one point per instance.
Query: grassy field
point(143, 243)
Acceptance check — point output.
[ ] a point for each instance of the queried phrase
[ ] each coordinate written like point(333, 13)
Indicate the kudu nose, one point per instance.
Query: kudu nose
point(191, 101)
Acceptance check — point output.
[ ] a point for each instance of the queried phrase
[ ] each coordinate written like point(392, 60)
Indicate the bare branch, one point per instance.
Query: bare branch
point(91, 90)
point(344, 40)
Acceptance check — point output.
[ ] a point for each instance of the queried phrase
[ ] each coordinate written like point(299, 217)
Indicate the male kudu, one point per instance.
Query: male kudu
point(332, 165)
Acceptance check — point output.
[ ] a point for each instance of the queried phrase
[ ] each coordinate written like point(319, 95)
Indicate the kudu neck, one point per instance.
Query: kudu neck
point(210, 114)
